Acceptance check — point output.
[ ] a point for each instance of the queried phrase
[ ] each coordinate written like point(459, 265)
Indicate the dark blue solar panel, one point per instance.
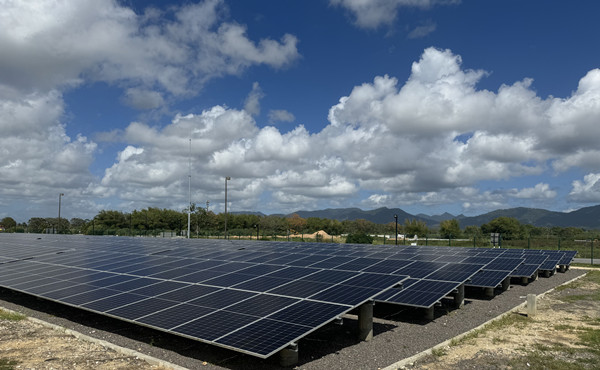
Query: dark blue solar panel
point(222, 298)
point(262, 283)
point(159, 288)
point(141, 308)
point(488, 278)
point(175, 316)
point(264, 337)
point(504, 264)
point(309, 313)
point(111, 302)
point(188, 293)
point(89, 296)
point(300, 288)
point(346, 294)
point(525, 270)
point(215, 325)
point(262, 305)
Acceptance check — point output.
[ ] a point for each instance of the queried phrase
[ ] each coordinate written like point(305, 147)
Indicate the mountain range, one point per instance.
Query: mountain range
point(587, 218)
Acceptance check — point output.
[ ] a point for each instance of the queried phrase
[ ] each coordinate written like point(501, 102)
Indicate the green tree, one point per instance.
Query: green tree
point(415, 227)
point(508, 227)
point(359, 238)
point(450, 229)
point(38, 225)
point(9, 224)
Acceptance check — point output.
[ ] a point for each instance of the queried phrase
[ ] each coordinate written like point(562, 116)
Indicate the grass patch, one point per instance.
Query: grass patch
point(439, 352)
point(590, 338)
point(6, 364)
point(540, 360)
point(11, 316)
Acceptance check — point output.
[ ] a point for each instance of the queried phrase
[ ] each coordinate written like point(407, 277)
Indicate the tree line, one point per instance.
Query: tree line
point(151, 221)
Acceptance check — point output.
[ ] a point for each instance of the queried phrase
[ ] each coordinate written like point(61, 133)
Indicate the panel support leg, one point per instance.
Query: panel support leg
point(524, 280)
point(365, 321)
point(459, 296)
point(506, 284)
point(430, 313)
point(489, 292)
point(289, 356)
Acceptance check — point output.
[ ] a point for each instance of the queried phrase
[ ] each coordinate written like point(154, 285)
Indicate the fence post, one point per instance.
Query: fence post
point(529, 242)
point(592, 250)
point(558, 243)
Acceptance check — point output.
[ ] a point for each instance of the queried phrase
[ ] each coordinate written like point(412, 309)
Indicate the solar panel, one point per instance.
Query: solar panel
point(488, 278)
point(253, 297)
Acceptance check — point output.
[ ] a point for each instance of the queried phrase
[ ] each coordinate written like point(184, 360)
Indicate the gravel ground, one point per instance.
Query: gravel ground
point(398, 332)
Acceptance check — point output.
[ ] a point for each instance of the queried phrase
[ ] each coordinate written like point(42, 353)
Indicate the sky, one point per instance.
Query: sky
point(430, 106)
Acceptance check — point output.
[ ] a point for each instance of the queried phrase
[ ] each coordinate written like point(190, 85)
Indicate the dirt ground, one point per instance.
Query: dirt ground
point(25, 344)
point(564, 334)
point(552, 337)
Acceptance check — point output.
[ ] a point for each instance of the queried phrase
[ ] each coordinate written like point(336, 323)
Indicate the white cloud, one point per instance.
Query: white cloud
point(374, 13)
point(252, 103)
point(280, 115)
point(588, 190)
point(48, 44)
point(143, 99)
point(422, 30)
point(540, 191)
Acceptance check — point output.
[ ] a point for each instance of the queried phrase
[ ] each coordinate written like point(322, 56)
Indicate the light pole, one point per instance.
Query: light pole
point(59, 199)
point(396, 218)
point(226, 179)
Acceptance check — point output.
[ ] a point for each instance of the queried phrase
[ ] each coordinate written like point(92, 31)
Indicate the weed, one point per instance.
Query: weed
point(6, 364)
point(11, 316)
point(439, 352)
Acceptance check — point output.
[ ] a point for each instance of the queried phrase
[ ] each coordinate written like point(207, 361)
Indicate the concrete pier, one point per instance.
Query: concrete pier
point(288, 356)
point(459, 296)
point(506, 284)
point(365, 321)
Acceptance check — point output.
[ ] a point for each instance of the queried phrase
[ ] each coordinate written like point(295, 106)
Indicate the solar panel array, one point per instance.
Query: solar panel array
point(249, 296)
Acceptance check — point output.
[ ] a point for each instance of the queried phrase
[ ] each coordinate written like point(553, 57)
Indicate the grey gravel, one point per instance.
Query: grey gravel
point(398, 332)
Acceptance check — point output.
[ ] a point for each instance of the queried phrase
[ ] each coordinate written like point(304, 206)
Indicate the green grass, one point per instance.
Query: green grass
point(590, 338)
point(11, 316)
point(438, 352)
point(6, 364)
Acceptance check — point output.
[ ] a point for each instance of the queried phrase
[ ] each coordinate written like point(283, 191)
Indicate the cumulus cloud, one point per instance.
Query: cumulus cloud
point(48, 44)
point(396, 142)
point(155, 57)
point(374, 13)
point(540, 191)
point(588, 190)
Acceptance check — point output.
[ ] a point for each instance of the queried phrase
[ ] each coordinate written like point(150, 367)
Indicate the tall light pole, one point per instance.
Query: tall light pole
point(226, 179)
point(59, 199)
point(190, 189)
point(396, 218)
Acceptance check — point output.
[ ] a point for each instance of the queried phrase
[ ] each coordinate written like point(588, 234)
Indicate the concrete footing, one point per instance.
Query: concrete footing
point(562, 268)
point(365, 321)
point(459, 296)
point(288, 356)
point(430, 313)
point(506, 284)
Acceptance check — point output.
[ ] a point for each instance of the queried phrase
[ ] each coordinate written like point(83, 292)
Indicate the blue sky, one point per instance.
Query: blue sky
point(429, 106)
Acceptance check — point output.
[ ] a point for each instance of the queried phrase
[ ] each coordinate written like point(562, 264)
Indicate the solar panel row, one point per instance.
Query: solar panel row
point(253, 297)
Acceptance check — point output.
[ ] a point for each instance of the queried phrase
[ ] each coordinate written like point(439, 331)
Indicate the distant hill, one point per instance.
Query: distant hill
point(587, 218)
point(380, 215)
